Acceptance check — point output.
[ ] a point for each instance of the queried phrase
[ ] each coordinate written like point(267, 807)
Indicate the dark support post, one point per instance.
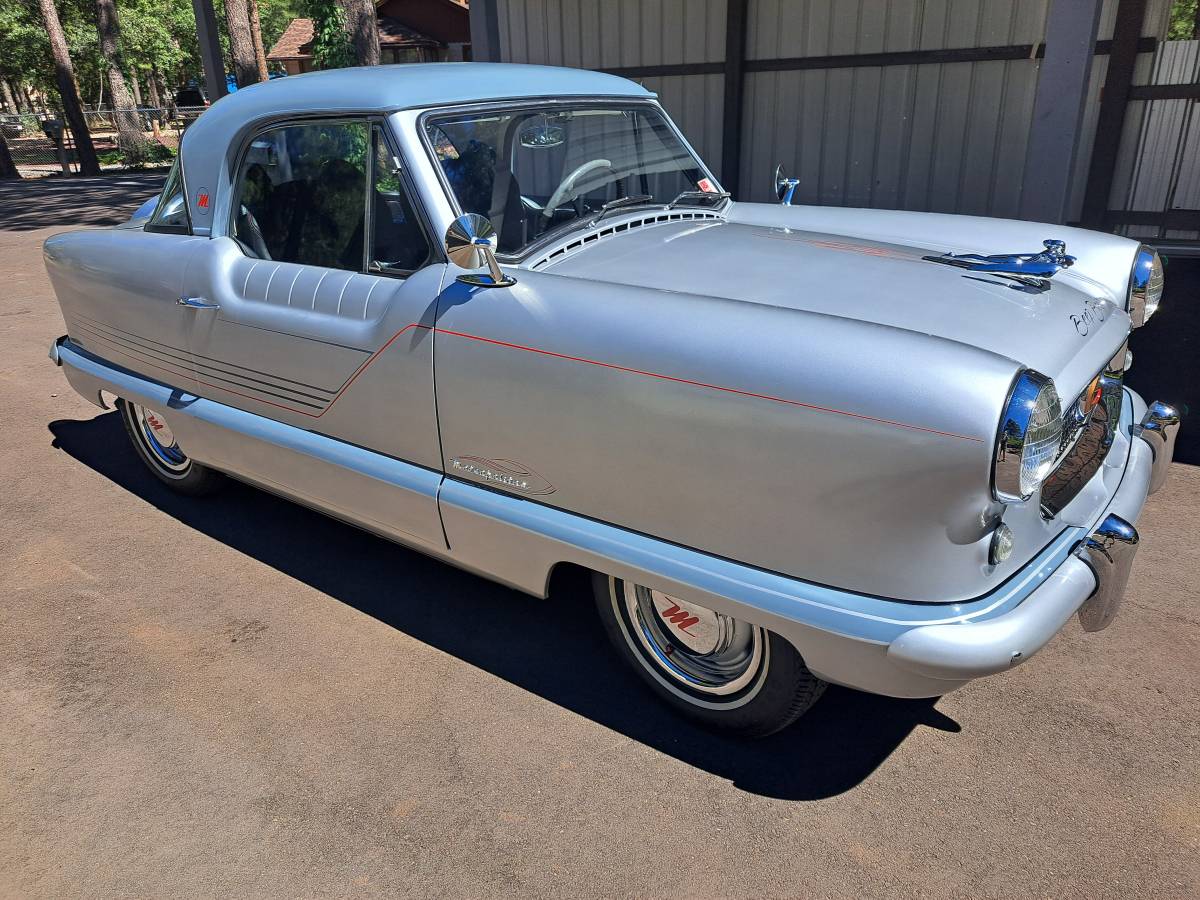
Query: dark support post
point(735, 87)
point(210, 49)
point(485, 31)
point(1058, 109)
point(1113, 104)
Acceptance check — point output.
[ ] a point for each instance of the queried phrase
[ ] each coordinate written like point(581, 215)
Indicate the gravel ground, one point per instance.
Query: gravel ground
point(236, 696)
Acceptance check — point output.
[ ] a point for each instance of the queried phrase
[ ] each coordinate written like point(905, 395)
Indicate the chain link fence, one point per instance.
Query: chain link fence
point(42, 145)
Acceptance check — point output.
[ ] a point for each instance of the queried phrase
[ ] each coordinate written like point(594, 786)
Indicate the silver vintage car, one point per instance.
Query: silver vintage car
point(506, 315)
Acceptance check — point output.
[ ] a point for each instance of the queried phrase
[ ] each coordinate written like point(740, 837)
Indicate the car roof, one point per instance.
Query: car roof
point(375, 89)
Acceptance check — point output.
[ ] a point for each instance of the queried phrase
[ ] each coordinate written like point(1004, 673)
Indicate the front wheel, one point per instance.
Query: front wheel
point(156, 445)
point(723, 672)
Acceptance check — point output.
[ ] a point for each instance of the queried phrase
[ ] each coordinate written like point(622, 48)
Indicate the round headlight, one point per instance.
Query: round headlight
point(1145, 286)
point(1029, 438)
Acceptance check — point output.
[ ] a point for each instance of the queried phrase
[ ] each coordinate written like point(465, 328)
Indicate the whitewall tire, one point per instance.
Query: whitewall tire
point(156, 445)
point(723, 672)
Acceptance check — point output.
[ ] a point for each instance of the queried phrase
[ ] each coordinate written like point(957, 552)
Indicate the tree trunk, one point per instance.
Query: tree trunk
point(10, 102)
point(129, 131)
point(155, 100)
point(8, 169)
point(166, 97)
point(64, 75)
point(136, 89)
point(241, 44)
point(260, 53)
point(363, 30)
point(25, 95)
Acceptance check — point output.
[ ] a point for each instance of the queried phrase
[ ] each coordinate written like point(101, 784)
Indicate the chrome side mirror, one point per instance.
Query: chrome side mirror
point(471, 244)
point(784, 187)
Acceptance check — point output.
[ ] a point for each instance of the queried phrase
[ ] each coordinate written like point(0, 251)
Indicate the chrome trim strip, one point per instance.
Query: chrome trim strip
point(126, 384)
point(863, 617)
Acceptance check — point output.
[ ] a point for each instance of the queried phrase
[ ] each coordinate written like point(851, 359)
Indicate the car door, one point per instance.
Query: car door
point(313, 308)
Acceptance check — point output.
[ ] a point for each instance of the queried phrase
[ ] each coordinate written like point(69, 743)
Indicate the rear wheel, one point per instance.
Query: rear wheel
point(156, 445)
point(723, 672)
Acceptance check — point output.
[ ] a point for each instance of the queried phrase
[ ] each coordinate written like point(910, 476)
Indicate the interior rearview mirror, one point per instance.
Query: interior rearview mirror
point(471, 244)
point(543, 135)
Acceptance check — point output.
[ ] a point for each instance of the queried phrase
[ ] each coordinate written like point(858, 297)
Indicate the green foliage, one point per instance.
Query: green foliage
point(1185, 21)
point(331, 45)
point(159, 35)
point(24, 49)
point(156, 36)
point(149, 154)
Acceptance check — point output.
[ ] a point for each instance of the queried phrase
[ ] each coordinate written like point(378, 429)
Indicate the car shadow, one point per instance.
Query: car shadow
point(556, 650)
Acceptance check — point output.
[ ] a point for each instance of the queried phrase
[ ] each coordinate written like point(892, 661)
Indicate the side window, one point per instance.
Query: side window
point(398, 243)
point(302, 195)
point(171, 214)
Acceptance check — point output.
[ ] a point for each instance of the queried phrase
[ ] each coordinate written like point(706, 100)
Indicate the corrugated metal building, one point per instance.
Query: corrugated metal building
point(970, 106)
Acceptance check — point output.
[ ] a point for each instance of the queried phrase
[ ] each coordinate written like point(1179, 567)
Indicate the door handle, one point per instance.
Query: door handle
point(197, 303)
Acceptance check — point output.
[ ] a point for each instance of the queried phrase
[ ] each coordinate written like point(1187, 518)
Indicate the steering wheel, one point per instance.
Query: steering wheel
point(566, 187)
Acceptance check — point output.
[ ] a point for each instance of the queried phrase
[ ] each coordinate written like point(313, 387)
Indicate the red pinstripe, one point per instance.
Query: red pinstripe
point(605, 365)
point(711, 387)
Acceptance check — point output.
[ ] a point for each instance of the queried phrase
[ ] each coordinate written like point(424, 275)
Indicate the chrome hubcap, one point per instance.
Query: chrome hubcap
point(158, 438)
point(705, 650)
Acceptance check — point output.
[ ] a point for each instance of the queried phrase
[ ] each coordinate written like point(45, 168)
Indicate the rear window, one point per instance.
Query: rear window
point(171, 214)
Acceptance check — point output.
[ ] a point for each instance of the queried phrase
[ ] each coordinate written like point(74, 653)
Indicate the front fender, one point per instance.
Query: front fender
point(818, 446)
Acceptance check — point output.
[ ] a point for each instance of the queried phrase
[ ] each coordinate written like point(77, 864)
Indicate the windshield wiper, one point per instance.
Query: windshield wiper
point(620, 203)
point(699, 195)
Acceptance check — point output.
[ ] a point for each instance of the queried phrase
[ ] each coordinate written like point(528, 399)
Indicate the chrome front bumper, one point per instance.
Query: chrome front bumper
point(1158, 428)
point(1091, 581)
point(1109, 550)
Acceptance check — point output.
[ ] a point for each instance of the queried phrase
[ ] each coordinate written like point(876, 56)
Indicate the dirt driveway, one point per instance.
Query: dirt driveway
point(237, 697)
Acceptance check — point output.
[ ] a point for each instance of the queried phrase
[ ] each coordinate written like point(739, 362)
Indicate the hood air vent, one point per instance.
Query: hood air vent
point(616, 228)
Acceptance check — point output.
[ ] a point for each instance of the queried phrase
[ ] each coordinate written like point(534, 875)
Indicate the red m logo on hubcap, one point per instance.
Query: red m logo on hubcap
point(680, 618)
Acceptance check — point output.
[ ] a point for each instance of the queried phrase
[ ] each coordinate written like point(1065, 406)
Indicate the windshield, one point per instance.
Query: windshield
point(537, 170)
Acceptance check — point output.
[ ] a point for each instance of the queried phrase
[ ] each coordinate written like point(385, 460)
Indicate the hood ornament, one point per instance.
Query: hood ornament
point(785, 187)
point(1030, 269)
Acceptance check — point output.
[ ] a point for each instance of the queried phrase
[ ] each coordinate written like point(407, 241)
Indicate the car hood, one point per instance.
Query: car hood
point(1062, 331)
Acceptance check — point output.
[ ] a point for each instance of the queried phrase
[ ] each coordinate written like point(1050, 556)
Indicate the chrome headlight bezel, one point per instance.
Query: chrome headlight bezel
point(1021, 461)
point(1145, 285)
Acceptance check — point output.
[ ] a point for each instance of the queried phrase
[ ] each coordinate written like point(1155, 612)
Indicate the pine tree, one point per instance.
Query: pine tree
point(129, 131)
point(64, 74)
